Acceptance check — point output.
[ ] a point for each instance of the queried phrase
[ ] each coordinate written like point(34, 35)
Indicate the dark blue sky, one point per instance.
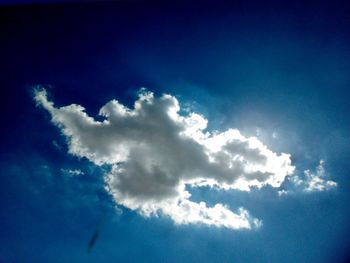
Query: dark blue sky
point(278, 67)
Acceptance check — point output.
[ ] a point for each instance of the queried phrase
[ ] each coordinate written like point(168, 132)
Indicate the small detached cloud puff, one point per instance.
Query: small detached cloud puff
point(314, 181)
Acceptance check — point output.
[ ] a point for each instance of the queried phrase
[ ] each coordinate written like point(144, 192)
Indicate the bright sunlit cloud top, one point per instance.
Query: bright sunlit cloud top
point(154, 152)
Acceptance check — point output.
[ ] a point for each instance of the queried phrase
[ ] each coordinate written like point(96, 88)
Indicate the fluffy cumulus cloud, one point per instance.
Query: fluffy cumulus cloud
point(154, 152)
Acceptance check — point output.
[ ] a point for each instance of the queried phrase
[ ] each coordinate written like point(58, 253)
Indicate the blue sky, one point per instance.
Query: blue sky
point(278, 72)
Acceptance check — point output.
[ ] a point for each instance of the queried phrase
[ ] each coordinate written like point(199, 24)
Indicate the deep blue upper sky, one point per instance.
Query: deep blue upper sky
point(278, 67)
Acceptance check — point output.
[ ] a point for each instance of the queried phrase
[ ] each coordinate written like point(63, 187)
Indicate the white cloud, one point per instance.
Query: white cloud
point(154, 152)
point(314, 181)
point(72, 172)
point(282, 192)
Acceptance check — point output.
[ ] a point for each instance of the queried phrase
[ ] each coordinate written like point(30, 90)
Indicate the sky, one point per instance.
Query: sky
point(139, 131)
